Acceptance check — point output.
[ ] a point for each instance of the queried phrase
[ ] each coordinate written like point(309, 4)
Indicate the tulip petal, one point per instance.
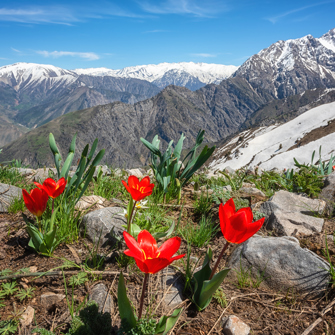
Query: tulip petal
point(169, 247)
point(130, 253)
point(133, 182)
point(252, 229)
point(133, 245)
point(147, 243)
point(126, 186)
point(229, 208)
point(156, 264)
point(248, 213)
point(235, 226)
point(38, 185)
point(142, 266)
point(145, 181)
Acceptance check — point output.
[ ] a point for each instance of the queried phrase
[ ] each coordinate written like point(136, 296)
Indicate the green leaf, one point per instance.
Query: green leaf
point(88, 180)
point(209, 287)
point(165, 234)
point(98, 157)
point(134, 230)
point(179, 147)
point(36, 237)
point(125, 309)
point(151, 147)
point(94, 146)
point(67, 164)
point(166, 323)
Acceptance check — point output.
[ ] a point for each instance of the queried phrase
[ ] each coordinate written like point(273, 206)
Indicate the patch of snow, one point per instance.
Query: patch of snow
point(268, 148)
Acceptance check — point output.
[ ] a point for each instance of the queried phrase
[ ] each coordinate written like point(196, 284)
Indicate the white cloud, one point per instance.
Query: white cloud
point(196, 8)
point(205, 55)
point(16, 50)
point(156, 31)
point(63, 14)
point(57, 54)
point(276, 18)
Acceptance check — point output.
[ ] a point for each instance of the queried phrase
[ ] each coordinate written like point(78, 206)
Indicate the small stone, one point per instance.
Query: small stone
point(328, 193)
point(33, 269)
point(135, 172)
point(99, 294)
point(105, 171)
point(232, 325)
point(7, 194)
point(252, 191)
point(229, 170)
point(49, 299)
point(27, 316)
point(99, 224)
point(88, 201)
point(175, 294)
point(247, 185)
point(227, 188)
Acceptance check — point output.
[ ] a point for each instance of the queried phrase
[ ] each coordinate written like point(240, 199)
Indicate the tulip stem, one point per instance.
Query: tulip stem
point(130, 217)
point(39, 224)
point(218, 260)
point(142, 295)
point(53, 205)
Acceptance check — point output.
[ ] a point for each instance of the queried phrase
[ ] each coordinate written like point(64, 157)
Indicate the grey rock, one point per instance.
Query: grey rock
point(88, 201)
point(7, 194)
point(106, 171)
point(283, 265)
point(292, 202)
point(24, 172)
point(101, 296)
point(49, 299)
point(43, 173)
point(252, 191)
point(232, 325)
point(135, 172)
point(118, 172)
point(99, 224)
point(229, 170)
point(247, 185)
point(227, 188)
point(175, 294)
point(328, 193)
point(292, 223)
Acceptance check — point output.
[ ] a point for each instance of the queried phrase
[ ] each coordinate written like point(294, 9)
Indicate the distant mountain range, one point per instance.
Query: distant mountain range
point(274, 85)
point(34, 94)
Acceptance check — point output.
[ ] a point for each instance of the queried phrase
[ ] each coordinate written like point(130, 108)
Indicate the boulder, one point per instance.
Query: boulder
point(291, 223)
point(232, 325)
point(282, 265)
point(99, 224)
point(289, 213)
point(328, 193)
point(24, 172)
point(43, 173)
point(99, 294)
point(292, 202)
point(7, 194)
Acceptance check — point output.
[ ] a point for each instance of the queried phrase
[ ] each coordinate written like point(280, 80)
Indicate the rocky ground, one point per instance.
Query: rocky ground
point(280, 282)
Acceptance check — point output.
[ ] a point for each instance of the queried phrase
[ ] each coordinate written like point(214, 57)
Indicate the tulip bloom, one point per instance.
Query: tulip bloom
point(52, 188)
point(138, 189)
point(148, 257)
point(237, 227)
point(36, 201)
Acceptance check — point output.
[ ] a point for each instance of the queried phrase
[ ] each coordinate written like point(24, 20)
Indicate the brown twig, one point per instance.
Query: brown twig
point(317, 321)
point(59, 273)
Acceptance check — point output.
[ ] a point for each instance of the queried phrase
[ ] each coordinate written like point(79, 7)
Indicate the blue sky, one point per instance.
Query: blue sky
point(116, 34)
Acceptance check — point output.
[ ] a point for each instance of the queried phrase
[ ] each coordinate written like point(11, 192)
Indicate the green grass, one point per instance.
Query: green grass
point(16, 205)
point(12, 177)
point(201, 234)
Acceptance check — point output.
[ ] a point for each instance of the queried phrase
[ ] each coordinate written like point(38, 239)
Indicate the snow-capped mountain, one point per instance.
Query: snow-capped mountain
point(275, 146)
point(164, 74)
point(23, 75)
point(293, 66)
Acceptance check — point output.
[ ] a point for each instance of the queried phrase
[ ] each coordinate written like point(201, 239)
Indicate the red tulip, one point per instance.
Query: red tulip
point(53, 189)
point(36, 201)
point(138, 189)
point(237, 227)
point(148, 257)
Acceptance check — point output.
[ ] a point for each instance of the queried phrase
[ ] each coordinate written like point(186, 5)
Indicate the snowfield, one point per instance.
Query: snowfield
point(268, 147)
